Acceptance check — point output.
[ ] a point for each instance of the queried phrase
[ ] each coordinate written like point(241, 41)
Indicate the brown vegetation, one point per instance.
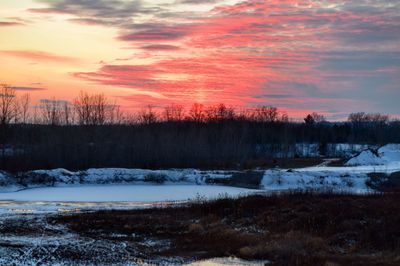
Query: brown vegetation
point(287, 229)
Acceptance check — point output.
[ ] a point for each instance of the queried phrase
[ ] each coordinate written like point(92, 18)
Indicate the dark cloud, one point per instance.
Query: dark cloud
point(274, 96)
point(89, 21)
point(29, 89)
point(198, 2)
point(94, 8)
point(160, 47)
point(163, 34)
point(10, 24)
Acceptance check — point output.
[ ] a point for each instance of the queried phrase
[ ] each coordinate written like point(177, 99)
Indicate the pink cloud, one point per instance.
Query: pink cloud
point(40, 56)
point(10, 24)
point(314, 53)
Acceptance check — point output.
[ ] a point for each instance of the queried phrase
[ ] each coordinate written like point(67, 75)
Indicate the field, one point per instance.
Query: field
point(285, 229)
point(346, 214)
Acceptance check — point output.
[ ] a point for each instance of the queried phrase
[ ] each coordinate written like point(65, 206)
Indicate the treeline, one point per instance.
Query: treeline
point(93, 132)
point(97, 109)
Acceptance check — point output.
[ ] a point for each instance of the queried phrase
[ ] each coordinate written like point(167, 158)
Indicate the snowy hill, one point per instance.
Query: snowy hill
point(386, 155)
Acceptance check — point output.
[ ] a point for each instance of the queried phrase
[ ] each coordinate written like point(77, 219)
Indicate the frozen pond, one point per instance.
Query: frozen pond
point(123, 193)
point(59, 199)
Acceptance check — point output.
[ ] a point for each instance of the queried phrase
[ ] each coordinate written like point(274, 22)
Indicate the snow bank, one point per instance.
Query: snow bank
point(128, 176)
point(390, 153)
point(367, 157)
point(228, 261)
point(386, 155)
point(106, 176)
point(7, 183)
point(279, 179)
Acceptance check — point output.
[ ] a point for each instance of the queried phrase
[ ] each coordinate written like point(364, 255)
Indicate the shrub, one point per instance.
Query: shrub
point(155, 178)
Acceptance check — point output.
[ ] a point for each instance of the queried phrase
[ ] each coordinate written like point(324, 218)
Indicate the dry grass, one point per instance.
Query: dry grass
point(288, 229)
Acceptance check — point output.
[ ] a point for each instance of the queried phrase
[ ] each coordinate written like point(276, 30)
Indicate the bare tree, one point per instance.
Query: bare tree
point(147, 115)
point(8, 104)
point(220, 112)
point(378, 118)
point(24, 102)
point(284, 118)
point(314, 118)
point(359, 117)
point(116, 115)
point(197, 113)
point(92, 109)
point(266, 114)
point(362, 117)
point(173, 113)
point(51, 111)
point(68, 114)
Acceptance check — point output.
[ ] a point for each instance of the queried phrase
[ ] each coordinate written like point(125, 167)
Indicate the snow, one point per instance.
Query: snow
point(228, 261)
point(365, 158)
point(99, 189)
point(386, 155)
point(350, 178)
point(390, 152)
point(126, 176)
point(303, 179)
point(123, 193)
point(7, 184)
point(139, 185)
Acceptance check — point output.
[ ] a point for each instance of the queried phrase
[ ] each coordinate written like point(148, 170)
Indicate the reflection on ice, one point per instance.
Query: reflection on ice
point(91, 198)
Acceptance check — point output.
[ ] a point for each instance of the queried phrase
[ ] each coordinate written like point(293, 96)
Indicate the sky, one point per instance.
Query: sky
point(334, 57)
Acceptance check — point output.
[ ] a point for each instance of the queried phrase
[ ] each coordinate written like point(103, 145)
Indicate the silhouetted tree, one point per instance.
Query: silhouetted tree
point(93, 109)
point(147, 115)
point(314, 118)
point(24, 103)
point(266, 114)
point(8, 104)
point(362, 117)
point(220, 112)
point(173, 113)
point(51, 111)
point(197, 113)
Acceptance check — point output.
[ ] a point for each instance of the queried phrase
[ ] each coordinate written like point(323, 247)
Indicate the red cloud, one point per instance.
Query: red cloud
point(238, 53)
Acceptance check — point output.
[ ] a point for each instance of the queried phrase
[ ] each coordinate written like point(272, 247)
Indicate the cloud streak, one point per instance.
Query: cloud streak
point(29, 89)
point(10, 24)
point(39, 56)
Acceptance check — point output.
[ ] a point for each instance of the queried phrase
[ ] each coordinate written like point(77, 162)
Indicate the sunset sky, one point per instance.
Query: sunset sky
point(334, 57)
